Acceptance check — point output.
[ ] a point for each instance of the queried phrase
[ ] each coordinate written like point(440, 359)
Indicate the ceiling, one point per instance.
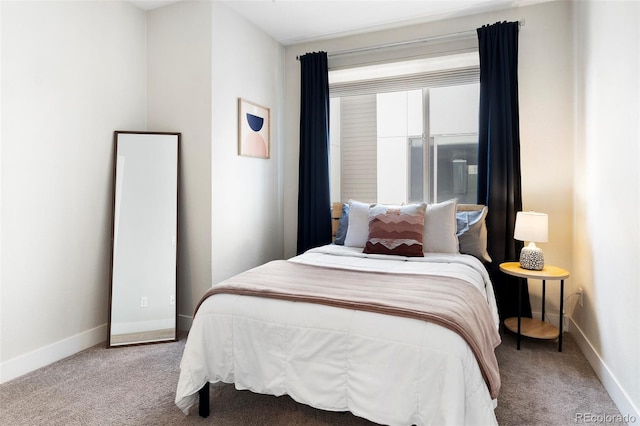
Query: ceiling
point(296, 21)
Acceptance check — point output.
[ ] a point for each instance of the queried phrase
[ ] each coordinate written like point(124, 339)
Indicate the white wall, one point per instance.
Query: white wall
point(203, 57)
point(545, 78)
point(72, 73)
point(607, 234)
point(179, 100)
point(246, 192)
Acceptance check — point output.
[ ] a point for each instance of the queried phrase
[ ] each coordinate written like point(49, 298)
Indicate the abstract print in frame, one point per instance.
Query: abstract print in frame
point(253, 129)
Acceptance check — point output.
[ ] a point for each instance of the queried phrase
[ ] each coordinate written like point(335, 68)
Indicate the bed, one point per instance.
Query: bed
point(341, 329)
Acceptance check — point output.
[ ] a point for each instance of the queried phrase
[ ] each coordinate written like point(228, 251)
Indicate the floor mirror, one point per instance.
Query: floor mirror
point(142, 303)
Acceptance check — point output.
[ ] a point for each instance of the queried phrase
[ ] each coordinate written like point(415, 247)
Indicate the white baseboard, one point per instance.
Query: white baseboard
point(619, 396)
point(31, 361)
point(49, 354)
point(184, 322)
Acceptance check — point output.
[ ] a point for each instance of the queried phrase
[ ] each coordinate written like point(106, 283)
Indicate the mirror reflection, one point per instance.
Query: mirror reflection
point(143, 305)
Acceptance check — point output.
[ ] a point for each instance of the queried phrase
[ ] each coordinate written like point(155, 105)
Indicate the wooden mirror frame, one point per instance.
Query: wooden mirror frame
point(167, 335)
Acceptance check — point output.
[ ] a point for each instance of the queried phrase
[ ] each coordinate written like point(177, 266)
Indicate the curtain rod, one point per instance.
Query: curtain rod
point(408, 43)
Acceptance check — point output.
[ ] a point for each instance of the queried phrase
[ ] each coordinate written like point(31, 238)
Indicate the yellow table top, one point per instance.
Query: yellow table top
point(548, 272)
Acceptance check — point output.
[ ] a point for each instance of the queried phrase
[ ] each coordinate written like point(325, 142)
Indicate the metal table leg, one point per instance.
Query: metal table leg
point(543, 297)
point(561, 315)
point(519, 311)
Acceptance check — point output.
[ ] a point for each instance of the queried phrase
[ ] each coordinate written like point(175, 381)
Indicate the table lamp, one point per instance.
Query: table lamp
point(532, 227)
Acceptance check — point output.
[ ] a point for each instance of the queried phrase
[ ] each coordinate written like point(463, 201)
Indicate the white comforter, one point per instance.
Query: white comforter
point(390, 370)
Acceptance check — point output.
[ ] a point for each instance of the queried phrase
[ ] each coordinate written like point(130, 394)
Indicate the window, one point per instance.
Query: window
point(399, 140)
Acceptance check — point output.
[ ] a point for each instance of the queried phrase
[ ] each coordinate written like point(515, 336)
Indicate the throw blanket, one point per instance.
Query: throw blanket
point(446, 301)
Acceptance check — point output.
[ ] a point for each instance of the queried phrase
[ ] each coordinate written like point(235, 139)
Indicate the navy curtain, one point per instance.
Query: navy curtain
point(499, 157)
point(314, 203)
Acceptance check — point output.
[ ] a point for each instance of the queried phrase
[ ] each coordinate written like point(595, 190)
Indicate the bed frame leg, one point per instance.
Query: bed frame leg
point(203, 404)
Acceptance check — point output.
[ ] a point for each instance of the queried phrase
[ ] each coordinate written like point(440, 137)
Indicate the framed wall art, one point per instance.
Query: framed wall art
point(253, 129)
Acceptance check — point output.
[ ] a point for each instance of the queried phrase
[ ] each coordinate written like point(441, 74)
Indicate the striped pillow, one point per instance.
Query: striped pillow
point(396, 230)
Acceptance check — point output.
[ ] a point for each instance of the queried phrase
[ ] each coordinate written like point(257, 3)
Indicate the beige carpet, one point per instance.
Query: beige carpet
point(136, 386)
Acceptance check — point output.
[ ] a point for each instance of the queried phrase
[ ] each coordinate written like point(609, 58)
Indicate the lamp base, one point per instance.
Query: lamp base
point(531, 258)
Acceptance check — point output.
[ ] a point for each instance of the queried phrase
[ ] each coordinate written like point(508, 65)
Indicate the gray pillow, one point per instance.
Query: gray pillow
point(472, 233)
point(343, 225)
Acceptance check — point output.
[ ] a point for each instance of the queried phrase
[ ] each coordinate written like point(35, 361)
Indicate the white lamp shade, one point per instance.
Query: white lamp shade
point(532, 226)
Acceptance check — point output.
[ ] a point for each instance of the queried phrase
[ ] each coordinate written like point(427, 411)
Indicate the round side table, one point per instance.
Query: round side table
point(530, 327)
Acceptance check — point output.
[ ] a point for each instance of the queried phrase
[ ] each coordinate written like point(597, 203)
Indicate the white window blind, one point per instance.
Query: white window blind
point(441, 78)
point(358, 148)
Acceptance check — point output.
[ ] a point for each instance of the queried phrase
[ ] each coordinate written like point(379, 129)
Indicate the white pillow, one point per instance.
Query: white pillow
point(440, 228)
point(358, 230)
